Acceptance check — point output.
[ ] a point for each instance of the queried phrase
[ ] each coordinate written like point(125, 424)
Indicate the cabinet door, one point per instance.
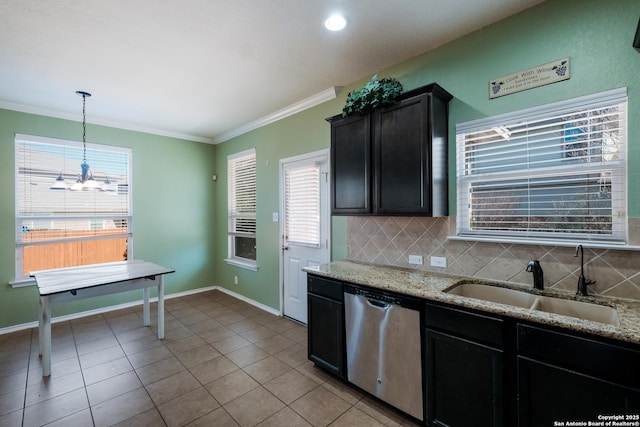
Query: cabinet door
point(326, 333)
point(464, 382)
point(547, 393)
point(351, 165)
point(402, 182)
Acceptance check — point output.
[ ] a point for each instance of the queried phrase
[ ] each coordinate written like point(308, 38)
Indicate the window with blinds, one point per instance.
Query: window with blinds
point(58, 228)
point(302, 206)
point(556, 172)
point(242, 207)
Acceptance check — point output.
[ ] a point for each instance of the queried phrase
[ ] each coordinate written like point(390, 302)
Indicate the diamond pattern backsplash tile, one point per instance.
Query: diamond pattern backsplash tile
point(390, 241)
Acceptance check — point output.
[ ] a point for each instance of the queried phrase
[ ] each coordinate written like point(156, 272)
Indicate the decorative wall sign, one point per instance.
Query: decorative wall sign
point(541, 75)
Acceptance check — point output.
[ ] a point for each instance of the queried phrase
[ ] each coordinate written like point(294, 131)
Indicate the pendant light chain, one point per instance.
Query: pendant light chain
point(84, 129)
point(85, 179)
point(84, 123)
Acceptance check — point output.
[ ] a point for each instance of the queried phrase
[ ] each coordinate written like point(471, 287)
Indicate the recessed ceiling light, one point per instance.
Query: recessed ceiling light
point(335, 22)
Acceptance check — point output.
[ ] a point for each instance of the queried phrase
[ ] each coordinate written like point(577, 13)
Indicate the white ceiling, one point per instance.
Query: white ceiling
point(202, 69)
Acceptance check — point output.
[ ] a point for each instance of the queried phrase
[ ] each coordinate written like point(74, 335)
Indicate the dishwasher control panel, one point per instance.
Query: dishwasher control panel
point(378, 296)
point(384, 297)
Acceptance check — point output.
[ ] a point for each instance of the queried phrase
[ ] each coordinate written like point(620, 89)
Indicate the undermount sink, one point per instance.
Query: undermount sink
point(522, 299)
point(579, 309)
point(494, 294)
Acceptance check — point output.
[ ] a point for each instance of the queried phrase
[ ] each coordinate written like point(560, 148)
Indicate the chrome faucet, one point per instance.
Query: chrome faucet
point(582, 281)
point(535, 268)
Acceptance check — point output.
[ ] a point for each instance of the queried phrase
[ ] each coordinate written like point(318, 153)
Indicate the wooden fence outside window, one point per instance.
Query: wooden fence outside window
point(71, 254)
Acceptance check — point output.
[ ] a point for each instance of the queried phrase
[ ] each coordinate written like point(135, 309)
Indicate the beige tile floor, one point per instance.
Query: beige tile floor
point(223, 362)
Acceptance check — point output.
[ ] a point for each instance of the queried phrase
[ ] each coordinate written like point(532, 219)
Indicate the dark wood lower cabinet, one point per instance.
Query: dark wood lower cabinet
point(549, 394)
point(489, 370)
point(464, 367)
point(564, 376)
point(464, 382)
point(325, 328)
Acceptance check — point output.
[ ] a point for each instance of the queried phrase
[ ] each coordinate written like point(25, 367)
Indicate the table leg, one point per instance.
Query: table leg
point(40, 325)
point(161, 307)
point(146, 317)
point(45, 334)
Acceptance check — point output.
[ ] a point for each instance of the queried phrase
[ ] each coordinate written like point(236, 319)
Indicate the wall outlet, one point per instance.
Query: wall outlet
point(438, 261)
point(415, 259)
point(235, 280)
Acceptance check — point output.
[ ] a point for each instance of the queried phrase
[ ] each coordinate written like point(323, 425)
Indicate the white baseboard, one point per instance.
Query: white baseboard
point(250, 301)
point(101, 310)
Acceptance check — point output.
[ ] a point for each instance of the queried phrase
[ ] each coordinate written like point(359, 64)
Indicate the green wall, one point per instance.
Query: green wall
point(596, 35)
point(173, 209)
point(305, 132)
point(180, 213)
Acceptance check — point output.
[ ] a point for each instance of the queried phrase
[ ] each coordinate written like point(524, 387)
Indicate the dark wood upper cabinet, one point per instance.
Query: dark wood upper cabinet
point(351, 165)
point(393, 161)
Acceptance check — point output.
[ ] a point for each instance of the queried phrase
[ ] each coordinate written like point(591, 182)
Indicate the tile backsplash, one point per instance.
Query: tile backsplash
point(390, 241)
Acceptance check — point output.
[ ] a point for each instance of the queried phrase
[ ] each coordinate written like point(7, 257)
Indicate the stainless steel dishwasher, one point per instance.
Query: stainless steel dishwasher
point(383, 347)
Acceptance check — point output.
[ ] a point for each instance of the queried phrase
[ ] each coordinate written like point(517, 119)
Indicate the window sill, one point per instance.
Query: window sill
point(541, 242)
point(253, 266)
point(23, 283)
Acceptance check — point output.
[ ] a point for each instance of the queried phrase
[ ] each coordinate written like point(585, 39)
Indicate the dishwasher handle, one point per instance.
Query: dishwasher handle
point(379, 304)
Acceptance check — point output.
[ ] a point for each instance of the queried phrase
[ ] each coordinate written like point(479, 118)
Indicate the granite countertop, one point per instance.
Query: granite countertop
point(431, 286)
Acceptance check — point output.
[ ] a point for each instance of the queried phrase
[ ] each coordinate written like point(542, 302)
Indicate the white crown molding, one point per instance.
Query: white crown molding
point(312, 101)
point(29, 109)
point(109, 123)
point(153, 131)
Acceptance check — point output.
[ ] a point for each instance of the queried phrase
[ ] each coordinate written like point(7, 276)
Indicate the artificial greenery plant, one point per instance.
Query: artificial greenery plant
point(376, 93)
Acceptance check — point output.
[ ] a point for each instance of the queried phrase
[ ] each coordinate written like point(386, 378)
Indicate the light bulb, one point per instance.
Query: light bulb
point(335, 22)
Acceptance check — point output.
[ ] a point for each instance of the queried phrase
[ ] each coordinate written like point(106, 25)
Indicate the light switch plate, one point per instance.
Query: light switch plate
point(274, 216)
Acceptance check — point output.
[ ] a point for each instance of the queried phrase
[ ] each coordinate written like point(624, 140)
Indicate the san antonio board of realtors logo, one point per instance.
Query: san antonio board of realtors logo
point(541, 75)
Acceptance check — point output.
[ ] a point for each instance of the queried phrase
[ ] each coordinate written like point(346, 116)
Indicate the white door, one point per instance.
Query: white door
point(305, 226)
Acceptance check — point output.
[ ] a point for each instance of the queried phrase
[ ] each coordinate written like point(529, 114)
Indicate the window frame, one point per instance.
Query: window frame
point(19, 219)
point(308, 175)
point(619, 233)
point(232, 257)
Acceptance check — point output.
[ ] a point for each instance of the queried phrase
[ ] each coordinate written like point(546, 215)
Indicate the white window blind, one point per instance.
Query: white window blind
point(242, 204)
point(554, 172)
point(51, 225)
point(302, 192)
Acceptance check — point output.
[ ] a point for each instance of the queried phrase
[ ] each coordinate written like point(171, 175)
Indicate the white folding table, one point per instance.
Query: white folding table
point(68, 284)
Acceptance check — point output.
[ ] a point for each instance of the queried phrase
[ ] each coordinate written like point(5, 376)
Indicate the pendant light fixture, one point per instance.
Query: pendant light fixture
point(85, 180)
